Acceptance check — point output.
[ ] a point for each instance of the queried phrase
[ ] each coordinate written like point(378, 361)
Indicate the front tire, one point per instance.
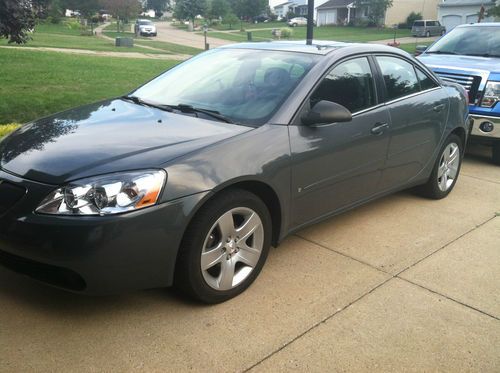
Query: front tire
point(495, 153)
point(428, 34)
point(224, 247)
point(446, 169)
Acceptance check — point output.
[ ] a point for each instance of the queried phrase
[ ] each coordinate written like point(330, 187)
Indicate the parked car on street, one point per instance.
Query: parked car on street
point(144, 27)
point(189, 179)
point(470, 55)
point(427, 28)
point(297, 21)
point(261, 18)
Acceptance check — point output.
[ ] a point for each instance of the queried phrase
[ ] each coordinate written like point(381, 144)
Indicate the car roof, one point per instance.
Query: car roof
point(320, 47)
point(484, 24)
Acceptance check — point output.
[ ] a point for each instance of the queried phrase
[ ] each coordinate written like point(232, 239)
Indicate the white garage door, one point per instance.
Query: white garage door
point(471, 19)
point(451, 21)
point(327, 17)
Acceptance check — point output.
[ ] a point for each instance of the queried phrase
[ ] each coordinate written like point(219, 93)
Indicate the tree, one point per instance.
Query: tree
point(376, 9)
point(16, 20)
point(122, 9)
point(248, 9)
point(189, 9)
point(159, 6)
point(230, 19)
point(218, 9)
point(494, 12)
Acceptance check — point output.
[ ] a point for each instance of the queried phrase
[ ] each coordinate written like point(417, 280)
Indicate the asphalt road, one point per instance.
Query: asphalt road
point(400, 284)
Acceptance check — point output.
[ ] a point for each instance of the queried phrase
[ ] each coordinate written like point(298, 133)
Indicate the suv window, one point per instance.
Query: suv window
point(431, 23)
point(349, 84)
point(418, 23)
point(399, 77)
point(425, 81)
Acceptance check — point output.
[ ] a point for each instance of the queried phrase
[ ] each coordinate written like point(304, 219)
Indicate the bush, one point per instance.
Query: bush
point(286, 33)
point(73, 25)
point(412, 17)
point(5, 129)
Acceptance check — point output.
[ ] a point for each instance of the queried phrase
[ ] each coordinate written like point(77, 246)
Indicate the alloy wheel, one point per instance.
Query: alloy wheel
point(448, 166)
point(232, 248)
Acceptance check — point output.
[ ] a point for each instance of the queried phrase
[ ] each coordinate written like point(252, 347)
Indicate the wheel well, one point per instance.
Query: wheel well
point(460, 132)
point(269, 197)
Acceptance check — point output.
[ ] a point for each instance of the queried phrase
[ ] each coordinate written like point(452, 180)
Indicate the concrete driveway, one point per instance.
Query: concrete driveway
point(400, 284)
point(171, 34)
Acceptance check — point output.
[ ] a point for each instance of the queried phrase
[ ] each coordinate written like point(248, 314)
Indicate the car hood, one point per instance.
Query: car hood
point(104, 137)
point(461, 62)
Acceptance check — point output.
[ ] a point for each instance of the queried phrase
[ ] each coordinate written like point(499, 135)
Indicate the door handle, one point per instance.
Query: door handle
point(379, 128)
point(438, 108)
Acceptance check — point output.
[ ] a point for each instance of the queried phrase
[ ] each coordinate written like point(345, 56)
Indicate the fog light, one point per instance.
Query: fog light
point(486, 126)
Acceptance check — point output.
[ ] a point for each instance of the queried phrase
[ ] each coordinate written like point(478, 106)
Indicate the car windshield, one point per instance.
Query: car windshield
point(470, 41)
point(145, 22)
point(245, 86)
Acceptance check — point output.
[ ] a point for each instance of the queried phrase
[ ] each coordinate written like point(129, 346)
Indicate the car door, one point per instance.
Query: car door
point(418, 107)
point(337, 164)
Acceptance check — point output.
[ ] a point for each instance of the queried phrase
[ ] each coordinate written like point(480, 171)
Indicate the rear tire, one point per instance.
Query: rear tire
point(446, 170)
point(428, 34)
point(224, 247)
point(495, 153)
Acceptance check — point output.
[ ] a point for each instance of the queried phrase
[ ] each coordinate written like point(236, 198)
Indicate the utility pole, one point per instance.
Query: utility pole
point(310, 21)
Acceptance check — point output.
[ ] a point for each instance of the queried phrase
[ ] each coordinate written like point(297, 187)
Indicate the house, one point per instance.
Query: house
point(298, 7)
point(338, 12)
point(452, 13)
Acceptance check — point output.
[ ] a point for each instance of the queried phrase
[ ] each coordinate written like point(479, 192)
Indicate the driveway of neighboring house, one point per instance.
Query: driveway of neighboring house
point(171, 34)
point(400, 284)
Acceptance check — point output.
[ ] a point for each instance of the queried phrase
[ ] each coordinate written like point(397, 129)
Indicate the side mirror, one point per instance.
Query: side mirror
point(419, 49)
point(325, 112)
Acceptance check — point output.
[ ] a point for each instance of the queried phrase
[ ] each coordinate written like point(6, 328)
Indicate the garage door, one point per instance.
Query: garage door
point(451, 21)
point(471, 19)
point(327, 17)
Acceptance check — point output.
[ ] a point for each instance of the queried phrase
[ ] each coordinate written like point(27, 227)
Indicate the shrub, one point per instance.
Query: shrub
point(286, 33)
point(412, 17)
point(5, 129)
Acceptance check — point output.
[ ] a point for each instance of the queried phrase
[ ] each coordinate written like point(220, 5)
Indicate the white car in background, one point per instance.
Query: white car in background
point(297, 21)
point(144, 27)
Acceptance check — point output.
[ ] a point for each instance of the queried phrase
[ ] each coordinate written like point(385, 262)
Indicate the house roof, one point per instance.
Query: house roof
point(335, 4)
point(282, 4)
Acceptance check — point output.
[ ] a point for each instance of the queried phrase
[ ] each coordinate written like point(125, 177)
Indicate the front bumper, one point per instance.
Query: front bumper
point(478, 132)
point(94, 254)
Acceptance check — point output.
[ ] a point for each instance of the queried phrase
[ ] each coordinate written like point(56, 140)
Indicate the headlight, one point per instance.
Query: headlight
point(106, 195)
point(491, 94)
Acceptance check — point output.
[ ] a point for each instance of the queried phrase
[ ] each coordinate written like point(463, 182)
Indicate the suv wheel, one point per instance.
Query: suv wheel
point(495, 150)
point(428, 34)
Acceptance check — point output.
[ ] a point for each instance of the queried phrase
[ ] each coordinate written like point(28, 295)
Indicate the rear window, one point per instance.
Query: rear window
point(418, 23)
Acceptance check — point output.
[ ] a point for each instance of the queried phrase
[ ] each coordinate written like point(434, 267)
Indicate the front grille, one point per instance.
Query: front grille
point(469, 82)
point(10, 194)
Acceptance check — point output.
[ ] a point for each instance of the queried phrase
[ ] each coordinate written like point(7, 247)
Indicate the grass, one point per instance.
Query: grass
point(94, 43)
point(5, 129)
point(338, 33)
point(151, 42)
point(35, 84)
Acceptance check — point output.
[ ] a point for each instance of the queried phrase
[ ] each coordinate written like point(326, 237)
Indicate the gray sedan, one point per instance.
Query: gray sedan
point(189, 179)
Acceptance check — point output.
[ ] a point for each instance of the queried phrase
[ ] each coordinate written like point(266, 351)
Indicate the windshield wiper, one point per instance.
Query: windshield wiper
point(140, 101)
point(439, 52)
point(191, 109)
point(482, 55)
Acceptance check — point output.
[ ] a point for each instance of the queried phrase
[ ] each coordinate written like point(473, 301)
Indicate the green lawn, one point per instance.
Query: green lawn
point(55, 40)
point(151, 42)
point(338, 33)
point(36, 84)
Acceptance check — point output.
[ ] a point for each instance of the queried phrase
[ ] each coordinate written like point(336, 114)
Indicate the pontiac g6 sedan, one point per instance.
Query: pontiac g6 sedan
point(189, 179)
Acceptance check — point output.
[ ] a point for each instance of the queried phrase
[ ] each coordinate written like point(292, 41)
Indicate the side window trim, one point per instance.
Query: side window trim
point(378, 103)
point(374, 56)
